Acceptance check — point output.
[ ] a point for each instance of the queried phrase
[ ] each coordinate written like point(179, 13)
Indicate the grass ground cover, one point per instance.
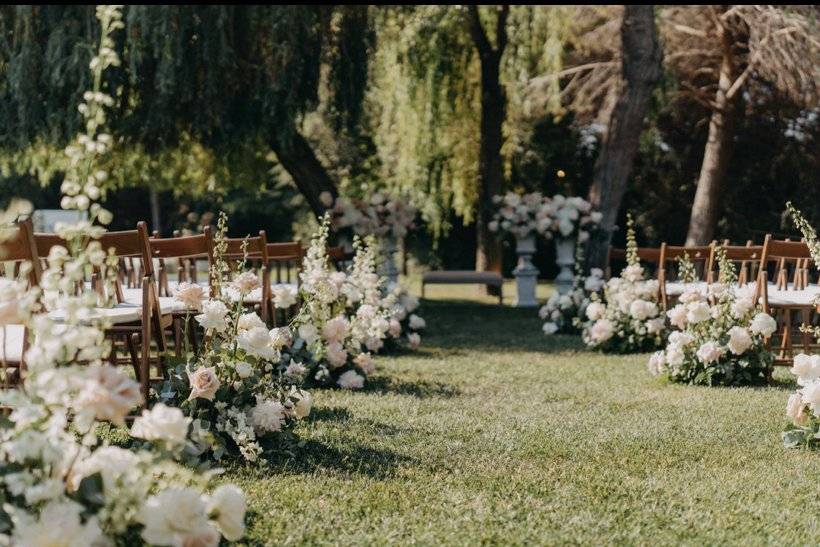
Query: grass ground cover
point(496, 434)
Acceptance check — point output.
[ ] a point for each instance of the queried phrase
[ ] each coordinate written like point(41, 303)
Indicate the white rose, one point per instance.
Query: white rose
point(416, 322)
point(675, 355)
point(601, 331)
point(243, 369)
point(763, 324)
point(739, 340)
point(351, 380)
point(309, 333)
point(107, 394)
point(204, 383)
point(549, 328)
point(213, 316)
point(811, 395)
point(655, 326)
point(796, 410)
point(656, 362)
point(247, 321)
point(806, 368)
point(595, 311)
point(697, 312)
point(162, 423)
point(414, 340)
point(227, 506)
point(709, 352)
point(302, 402)
point(177, 516)
point(267, 416)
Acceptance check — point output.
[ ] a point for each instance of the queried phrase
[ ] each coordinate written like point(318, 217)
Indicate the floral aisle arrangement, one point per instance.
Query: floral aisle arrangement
point(241, 390)
point(336, 324)
point(628, 318)
point(722, 336)
point(405, 325)
point(803, 406)
point(381, 215)
point(60, 483)
point(564, 313)
point(533, 213)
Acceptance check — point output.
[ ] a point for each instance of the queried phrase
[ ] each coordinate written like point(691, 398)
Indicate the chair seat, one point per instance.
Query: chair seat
point(456, 277)
point(118, 315)
point(677, 288)
point(167, 304)
point(12, 338)
point(803, 298)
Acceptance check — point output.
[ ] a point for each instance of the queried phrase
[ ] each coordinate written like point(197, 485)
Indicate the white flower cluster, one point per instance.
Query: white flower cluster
point(629, 318)
point(803, 406)
point(565, 312)
point(720, 341)
point(60, 483)
point(402, 319)
point(239, 381)
point(381, 215)
point(522, 215)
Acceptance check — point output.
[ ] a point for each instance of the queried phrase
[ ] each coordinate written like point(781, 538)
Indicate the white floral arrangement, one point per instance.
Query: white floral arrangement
point(628, 319)
point(405, 325)
point(340, 321)
point(564, 313)
point(803, 406)
point(60, 482)
point(721, 338)
point(241, 389)
point(380, 215)
point(533, 213)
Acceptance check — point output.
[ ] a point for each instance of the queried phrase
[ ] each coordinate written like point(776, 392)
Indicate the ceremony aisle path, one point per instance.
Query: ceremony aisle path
point(494, 433)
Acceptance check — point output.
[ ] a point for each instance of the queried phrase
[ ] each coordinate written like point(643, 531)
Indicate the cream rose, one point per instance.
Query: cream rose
point(204, 383)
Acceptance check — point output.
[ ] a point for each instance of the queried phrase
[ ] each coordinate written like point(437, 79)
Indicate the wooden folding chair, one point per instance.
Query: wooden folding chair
point(787, 294)
point(185, 250)
point(669, 282)
point(339, 257)
point(256, 254)
point(746, 259)
point(17, 249)
point(285, 263)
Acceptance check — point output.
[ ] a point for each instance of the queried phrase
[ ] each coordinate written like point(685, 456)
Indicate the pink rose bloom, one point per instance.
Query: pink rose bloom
point(796, 410)
point(365, 362)
point(414, 340)
point(246, 282)
point(709, 352)
point(336, 355)
point(190, 294)
point(204, 383)
point(336, 329)
point(108, 394)
point(395, 328)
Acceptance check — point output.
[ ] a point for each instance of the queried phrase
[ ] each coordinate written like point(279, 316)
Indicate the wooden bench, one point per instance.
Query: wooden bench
point(463, 277)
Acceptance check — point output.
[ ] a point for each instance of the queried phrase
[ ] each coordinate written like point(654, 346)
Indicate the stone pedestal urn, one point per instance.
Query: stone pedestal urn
point(565, 258)
point(388, 268)
point(526, 274)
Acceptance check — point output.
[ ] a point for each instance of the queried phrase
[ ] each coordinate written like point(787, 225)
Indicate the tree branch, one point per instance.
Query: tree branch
point(482, 44)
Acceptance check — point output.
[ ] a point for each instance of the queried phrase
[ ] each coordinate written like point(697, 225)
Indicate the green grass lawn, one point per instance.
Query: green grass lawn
point(495, 434)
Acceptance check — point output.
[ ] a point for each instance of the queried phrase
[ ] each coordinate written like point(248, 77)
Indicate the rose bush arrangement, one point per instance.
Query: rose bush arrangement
point(628, 318)
point(61, 483)
point(721, 340)
point(803, 406)
point(564, 313)
point(242, 388)
point(405, 325)
point(533, 213)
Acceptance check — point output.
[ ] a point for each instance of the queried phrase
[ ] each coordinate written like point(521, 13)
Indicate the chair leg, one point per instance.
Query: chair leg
point(131, 343)
point(142, 368)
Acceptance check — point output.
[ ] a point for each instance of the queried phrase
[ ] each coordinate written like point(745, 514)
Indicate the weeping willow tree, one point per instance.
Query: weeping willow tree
point(204, 93)
point(425, 92)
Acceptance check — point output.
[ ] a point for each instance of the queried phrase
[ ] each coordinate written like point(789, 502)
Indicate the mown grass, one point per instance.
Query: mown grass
point(495, 434)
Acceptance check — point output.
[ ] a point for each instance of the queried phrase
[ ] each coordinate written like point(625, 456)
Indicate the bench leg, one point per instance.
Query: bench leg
point(500, 295)
point(423, 287)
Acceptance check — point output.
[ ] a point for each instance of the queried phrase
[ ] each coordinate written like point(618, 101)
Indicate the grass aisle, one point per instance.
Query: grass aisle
point(494, 433)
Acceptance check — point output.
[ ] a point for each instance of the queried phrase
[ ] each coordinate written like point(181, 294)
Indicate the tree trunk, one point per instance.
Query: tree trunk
point(156, 217)
point(716, 155)
point(307, 172)
point(493, 107)
point(641, 69)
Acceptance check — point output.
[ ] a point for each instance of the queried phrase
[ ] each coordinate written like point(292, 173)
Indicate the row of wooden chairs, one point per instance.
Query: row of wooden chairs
point(780, 270)
point(144, 309)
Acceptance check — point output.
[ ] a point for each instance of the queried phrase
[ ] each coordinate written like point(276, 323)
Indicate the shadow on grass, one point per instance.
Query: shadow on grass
point(420, 389)
point(354, 459)
point(328, 414)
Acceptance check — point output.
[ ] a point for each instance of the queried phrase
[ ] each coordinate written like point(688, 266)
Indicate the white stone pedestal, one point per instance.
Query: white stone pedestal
point(526, 274)
point(565, 258)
